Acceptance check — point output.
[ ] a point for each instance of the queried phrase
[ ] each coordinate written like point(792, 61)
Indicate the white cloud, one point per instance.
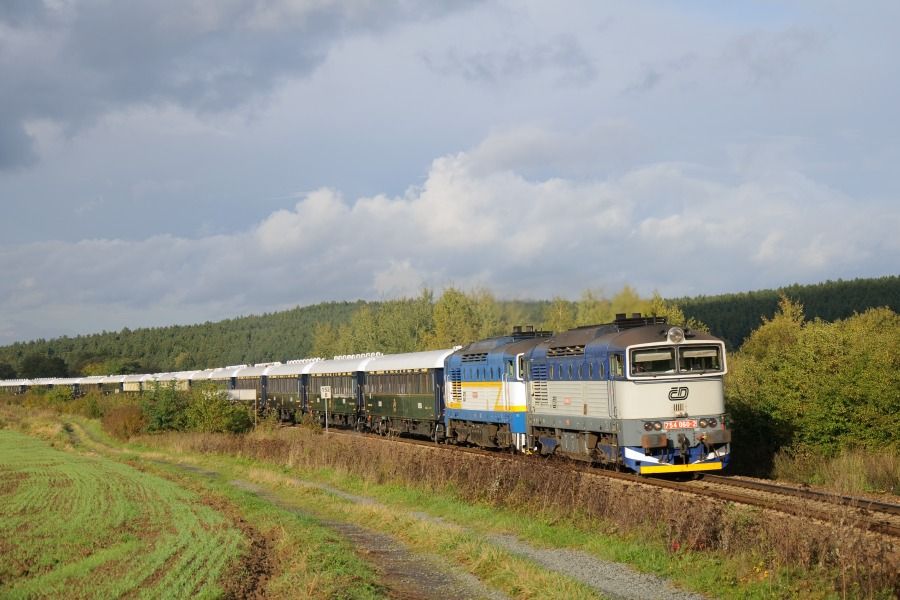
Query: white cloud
point(474, 221)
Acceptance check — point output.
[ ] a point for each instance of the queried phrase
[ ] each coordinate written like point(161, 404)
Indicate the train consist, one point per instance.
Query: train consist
point(636, 394)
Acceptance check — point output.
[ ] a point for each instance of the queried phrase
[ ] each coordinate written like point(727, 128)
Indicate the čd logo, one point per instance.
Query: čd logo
point(678, 393)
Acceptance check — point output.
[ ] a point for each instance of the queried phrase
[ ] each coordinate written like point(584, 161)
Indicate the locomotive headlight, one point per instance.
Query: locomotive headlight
point(702, 423)
point(648, 426)
point(657, 426)
point(675, 335)
point(712, 422)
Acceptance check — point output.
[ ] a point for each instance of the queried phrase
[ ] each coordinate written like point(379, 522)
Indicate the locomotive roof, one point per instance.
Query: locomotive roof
point(624, 332)
point(508, 344)
point(650, 334)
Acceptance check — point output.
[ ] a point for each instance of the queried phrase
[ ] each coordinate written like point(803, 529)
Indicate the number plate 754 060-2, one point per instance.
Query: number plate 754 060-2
point(680, 424)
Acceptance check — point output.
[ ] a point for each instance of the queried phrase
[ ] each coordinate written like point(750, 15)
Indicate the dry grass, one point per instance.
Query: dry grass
point(860, 564)
point(851, 472)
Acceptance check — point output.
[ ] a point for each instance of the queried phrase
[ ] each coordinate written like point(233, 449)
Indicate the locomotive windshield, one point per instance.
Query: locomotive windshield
point(653, 361)
point(662, 361)
point(699, 358)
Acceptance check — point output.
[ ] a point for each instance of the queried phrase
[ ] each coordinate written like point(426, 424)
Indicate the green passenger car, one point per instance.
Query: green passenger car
point(333, 392)
point(403, 393)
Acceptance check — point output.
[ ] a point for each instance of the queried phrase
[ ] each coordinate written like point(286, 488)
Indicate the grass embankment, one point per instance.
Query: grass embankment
point(715, 548)
point(79, 518)
point(851, 472)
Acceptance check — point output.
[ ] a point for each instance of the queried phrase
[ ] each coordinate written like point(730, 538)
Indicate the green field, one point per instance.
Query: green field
point(74, 525)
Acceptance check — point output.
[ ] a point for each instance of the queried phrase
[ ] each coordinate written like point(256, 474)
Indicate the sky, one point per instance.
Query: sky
point(179, 161)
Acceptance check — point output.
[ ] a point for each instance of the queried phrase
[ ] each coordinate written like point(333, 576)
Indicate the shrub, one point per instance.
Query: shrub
point(165, 408)
point(124, 421)
point(816, 388)
point(210, 411)
point(60, 394)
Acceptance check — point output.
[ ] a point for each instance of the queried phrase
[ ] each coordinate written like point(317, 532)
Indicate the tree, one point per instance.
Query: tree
point(560, 315)
point(41, 365)
point(7, 371)
point(816, 386)
point(657, 307)
point(593, 309)
point(455, 320)
point(165, 408)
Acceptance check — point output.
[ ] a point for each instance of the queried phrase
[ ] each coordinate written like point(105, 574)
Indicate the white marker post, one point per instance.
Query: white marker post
point(325, 392)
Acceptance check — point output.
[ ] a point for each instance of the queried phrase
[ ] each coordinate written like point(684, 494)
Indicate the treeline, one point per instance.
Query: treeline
point(403, 325)
point(273, 336)
point(733, 316)
point(410, 324)
point(457, 318)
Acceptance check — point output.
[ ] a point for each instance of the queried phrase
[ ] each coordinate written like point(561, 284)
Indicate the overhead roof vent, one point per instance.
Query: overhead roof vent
point(636, 320)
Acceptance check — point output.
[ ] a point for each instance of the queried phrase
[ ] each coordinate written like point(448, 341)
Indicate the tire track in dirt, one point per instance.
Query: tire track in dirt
point(404, 574)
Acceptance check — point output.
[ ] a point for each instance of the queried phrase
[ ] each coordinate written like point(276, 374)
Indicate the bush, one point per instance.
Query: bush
point(816, 388)
point(852, 471)
point(210, 411)
point(165, 408)
point(60, 394)
point(124, 422)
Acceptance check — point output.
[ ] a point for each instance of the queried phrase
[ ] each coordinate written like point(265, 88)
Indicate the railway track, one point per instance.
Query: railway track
point(862, 513)
point(810, 494)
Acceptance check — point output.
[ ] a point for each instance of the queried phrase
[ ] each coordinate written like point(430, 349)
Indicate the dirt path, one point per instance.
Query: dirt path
point(612, 580)
point(406, 575)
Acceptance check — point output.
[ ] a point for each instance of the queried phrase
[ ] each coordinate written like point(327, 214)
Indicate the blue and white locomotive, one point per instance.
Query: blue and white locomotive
point(486, 390)
point(635, 393)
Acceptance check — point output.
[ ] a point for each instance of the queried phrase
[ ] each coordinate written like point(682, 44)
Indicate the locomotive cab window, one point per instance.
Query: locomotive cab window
point(652, 361)
point(699, 359)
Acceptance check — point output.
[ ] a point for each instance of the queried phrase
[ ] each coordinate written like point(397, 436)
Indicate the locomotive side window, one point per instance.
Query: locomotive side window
point(652, 361)
point(699, 358)
point(616, 365)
